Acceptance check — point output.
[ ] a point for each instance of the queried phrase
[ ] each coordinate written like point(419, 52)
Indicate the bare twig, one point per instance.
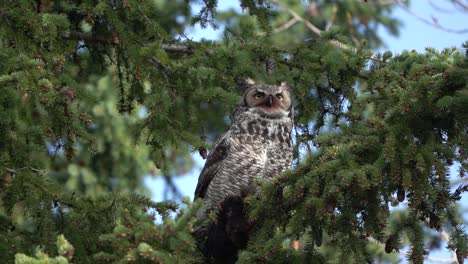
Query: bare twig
point(460, 4)
point(349, 20)
point(433, 22)
point(311, 27)
point(171, 188)
point(388, 2)
point(296, 16)
point(438, 8)
point(12, 171)
point(286, 25)
point(332, 18)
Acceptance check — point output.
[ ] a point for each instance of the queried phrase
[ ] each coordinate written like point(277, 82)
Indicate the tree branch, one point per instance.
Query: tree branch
point(460, 4)
point(440, 9)
point(388, 2)
point(15, 171)
point(285, 26)
point(433, 23)
point(296, 16)
point(311, 27)
point(332, 18)
point(176, 48)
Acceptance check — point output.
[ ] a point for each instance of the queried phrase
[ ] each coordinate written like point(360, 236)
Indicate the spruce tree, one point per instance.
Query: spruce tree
point(97, 94)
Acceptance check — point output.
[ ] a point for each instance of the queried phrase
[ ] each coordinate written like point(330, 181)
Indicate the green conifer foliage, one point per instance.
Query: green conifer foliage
point(137, 239)
point(65, 250)
point(96, 94)
point(396, 142)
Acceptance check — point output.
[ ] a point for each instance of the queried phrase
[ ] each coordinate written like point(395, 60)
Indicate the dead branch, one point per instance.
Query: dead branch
point(387, 2)
point(433, 22)
point(332, 18)
point(438, 8)
point(285, 26)
point(311, 27)
point(460, 4)
point(296, 16)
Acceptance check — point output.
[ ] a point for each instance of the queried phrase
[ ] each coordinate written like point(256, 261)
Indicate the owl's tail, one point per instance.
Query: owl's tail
point(222, 239)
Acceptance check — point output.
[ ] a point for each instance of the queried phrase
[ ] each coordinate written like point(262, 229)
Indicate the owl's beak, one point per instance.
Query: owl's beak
point(269, 101)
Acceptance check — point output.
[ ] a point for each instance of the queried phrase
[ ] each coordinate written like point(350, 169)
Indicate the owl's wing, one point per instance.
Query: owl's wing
point(213, 163)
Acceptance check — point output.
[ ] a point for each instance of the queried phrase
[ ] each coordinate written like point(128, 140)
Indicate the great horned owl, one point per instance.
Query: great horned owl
point(257, 146)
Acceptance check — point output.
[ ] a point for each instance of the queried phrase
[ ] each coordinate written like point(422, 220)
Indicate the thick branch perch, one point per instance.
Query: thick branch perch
point(15, 171)
point(93, 38)
point(177, 48)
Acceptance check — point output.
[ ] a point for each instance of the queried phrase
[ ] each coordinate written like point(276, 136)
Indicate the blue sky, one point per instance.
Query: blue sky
point(414, 35)
point(417, 35)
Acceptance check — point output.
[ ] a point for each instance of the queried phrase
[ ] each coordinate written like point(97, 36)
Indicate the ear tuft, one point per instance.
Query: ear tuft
point(249, 81)
point(286, 87)
point(245, 83)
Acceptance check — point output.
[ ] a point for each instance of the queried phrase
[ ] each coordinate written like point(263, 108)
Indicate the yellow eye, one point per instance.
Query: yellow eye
point(280, 97)
point(259, 95)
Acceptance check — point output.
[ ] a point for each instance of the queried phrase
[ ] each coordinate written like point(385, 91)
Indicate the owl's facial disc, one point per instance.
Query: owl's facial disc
point(272, 105)
point(269, 99)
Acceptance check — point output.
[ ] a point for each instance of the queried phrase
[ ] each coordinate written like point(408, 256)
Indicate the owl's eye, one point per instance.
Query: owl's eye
point(259, 95)
point(280, 97)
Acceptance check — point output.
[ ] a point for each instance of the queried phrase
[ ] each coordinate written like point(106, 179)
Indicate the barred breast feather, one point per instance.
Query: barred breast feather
point(257, 147)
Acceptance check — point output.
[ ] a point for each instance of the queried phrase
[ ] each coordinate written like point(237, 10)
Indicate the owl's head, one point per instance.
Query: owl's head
point(270, 99)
